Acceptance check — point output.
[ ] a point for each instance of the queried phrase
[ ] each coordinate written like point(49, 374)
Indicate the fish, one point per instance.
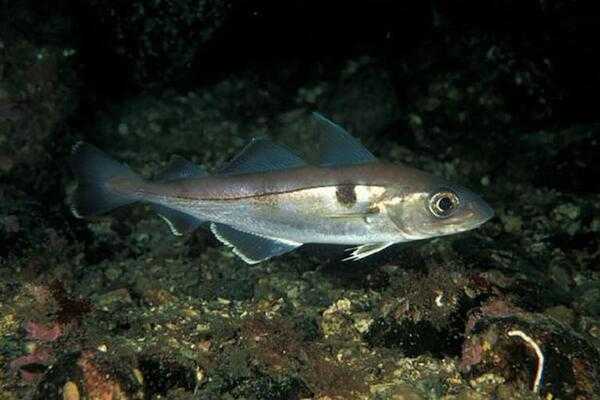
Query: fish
point(268, 201)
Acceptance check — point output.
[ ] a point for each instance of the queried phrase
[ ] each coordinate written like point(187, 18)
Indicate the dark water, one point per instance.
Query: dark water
point(499, 96)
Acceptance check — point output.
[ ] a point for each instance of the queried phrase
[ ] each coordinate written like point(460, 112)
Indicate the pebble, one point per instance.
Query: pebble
point(70, 391)
point(117, 296)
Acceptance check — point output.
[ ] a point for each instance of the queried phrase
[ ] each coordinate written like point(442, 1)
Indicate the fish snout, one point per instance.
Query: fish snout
point(482, 210)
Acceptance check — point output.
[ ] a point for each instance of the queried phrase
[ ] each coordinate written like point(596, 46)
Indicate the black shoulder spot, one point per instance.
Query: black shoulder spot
point(346, 195)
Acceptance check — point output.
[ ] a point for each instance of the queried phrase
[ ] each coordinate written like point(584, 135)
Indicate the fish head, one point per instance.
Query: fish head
point(434, 207)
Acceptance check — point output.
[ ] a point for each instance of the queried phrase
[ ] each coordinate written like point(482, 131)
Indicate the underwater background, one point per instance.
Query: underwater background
point(501, 96)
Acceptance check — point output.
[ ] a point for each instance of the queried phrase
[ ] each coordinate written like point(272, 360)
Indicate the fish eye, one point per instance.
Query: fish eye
point(443, 204)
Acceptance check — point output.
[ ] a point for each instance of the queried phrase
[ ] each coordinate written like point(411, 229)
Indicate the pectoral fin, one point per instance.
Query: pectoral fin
point(365, 250)
point(249, 247)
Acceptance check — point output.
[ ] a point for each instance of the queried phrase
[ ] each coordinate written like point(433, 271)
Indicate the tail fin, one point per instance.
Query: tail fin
point(93, 169)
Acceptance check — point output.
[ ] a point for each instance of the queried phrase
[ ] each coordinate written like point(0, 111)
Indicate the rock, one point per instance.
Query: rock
point(363, 101)
point(157, 296)
point(90, 374)
point(589, 300)
point(396, 392)
point(43, 332)
point(336, 320)
point(500, 344)
point(405, 392)
point(574, 167)
point(562, 314)
point(6, 163)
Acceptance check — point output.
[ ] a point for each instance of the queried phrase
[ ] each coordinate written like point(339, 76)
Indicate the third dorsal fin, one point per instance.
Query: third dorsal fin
point(338, 147)
point(180, 168)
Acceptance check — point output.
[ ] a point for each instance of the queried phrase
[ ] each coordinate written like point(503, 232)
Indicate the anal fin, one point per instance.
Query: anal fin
point(250, 247)
point(365, 250)
point(179, 222)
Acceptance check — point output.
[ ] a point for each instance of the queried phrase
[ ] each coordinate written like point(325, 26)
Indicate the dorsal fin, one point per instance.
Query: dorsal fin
point(180, 168)
point(338, 147)
point(261, 155)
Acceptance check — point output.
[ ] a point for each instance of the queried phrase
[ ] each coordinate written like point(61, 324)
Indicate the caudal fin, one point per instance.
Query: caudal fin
point(93, 170)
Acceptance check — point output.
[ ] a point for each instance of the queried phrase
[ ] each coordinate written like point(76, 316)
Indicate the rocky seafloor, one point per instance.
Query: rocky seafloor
point(118, 308)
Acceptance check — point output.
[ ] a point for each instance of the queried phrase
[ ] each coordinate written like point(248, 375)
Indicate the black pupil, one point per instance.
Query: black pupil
point(445, 204)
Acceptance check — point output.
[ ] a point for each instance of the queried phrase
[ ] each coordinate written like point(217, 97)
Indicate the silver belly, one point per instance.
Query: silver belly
point(305, 216)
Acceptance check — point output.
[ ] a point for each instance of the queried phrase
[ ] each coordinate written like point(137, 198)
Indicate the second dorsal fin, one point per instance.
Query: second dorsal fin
point(261, 155)
point(338, 147)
